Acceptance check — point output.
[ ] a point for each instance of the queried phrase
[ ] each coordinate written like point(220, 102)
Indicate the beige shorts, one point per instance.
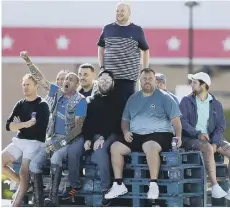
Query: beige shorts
point(195, 144)
point(24, 148)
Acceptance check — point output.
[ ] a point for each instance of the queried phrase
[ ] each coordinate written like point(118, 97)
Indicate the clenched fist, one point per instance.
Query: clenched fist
point(24, 55)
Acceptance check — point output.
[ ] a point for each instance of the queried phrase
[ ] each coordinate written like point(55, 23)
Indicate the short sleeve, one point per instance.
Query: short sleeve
point(126, 113)
point(143, 44)
point(81, 108)
point(171, 107)
point(53, 90)
point(101, 41)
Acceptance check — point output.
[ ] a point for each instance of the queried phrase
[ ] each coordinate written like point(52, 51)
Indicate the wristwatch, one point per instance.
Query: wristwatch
point(102, 67)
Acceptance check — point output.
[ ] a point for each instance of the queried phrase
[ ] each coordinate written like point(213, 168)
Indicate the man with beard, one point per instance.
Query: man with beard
point(147, 126)
point(67, 116)
point(99, 133)
point(88, 84)
point(29, 118)
point(203, 124)
point(121, 47)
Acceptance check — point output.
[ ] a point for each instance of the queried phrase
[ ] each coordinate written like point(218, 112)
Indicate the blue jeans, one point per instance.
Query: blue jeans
point(75, 151)
point(101, 157)
point(39, 161)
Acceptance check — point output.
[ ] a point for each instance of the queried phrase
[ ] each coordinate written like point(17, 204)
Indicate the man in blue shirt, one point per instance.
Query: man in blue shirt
point(67, 116)
point(203, 124)
point(161, 84)
point(147, 126)
point(59, 82)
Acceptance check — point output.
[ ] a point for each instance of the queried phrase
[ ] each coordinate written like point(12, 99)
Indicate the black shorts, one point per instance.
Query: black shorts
point(164, 139)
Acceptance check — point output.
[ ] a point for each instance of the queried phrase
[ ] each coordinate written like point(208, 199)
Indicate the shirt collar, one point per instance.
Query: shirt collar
point(209, 98)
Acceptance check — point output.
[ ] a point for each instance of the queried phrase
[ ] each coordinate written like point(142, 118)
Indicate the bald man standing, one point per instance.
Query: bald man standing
point(119, 51)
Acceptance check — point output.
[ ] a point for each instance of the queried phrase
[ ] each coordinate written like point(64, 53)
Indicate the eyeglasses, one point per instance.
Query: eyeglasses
point(103, 79)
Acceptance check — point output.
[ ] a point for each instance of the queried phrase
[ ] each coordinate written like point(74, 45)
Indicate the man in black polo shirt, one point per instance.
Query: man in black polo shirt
point(119, 51)
point(29, 118)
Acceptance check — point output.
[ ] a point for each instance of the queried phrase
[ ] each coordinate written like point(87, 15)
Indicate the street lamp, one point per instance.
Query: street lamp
point(190, 5)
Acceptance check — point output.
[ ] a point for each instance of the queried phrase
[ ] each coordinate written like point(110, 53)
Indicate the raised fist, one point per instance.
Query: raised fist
point(24, 55)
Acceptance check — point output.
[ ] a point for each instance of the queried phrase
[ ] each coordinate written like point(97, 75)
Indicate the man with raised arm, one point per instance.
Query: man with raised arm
point(67, 116)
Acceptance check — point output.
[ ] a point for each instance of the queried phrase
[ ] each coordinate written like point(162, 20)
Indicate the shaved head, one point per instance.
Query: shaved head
point(123, 12)
point(73, 75)
point(70, 84)
point(123, 4)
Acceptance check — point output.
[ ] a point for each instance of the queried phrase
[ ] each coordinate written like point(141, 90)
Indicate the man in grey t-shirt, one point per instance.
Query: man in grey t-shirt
point(147, 126)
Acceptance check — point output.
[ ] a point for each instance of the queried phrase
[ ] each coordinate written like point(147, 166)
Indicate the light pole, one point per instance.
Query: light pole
point(190, 5)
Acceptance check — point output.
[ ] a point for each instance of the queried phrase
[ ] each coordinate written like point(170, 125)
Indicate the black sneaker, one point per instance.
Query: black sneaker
point(105, 202)
point(70, 192)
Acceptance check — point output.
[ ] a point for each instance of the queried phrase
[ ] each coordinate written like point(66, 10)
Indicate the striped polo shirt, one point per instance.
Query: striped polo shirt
point(122, 49)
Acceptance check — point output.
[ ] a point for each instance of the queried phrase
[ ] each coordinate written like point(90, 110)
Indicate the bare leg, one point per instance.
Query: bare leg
point(152, 150)
point(7, 159)
point(23, 185)
point(209, 160)
point(208, 154)
point(118, 150)
point(224, 150)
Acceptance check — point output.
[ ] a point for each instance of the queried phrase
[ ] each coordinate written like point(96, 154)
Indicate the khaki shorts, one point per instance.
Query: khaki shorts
point(195, 144)
point(24, 148)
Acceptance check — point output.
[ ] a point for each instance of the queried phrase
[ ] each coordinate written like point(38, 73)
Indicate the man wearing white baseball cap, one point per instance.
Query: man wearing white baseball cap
point(203, 124)
point(200, 76)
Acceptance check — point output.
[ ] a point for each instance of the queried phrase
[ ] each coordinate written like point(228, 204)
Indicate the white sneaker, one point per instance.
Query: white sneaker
point(153, 192)
point(116, 191)
point(65, 172)
point(218, 192)
point(228, 195)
